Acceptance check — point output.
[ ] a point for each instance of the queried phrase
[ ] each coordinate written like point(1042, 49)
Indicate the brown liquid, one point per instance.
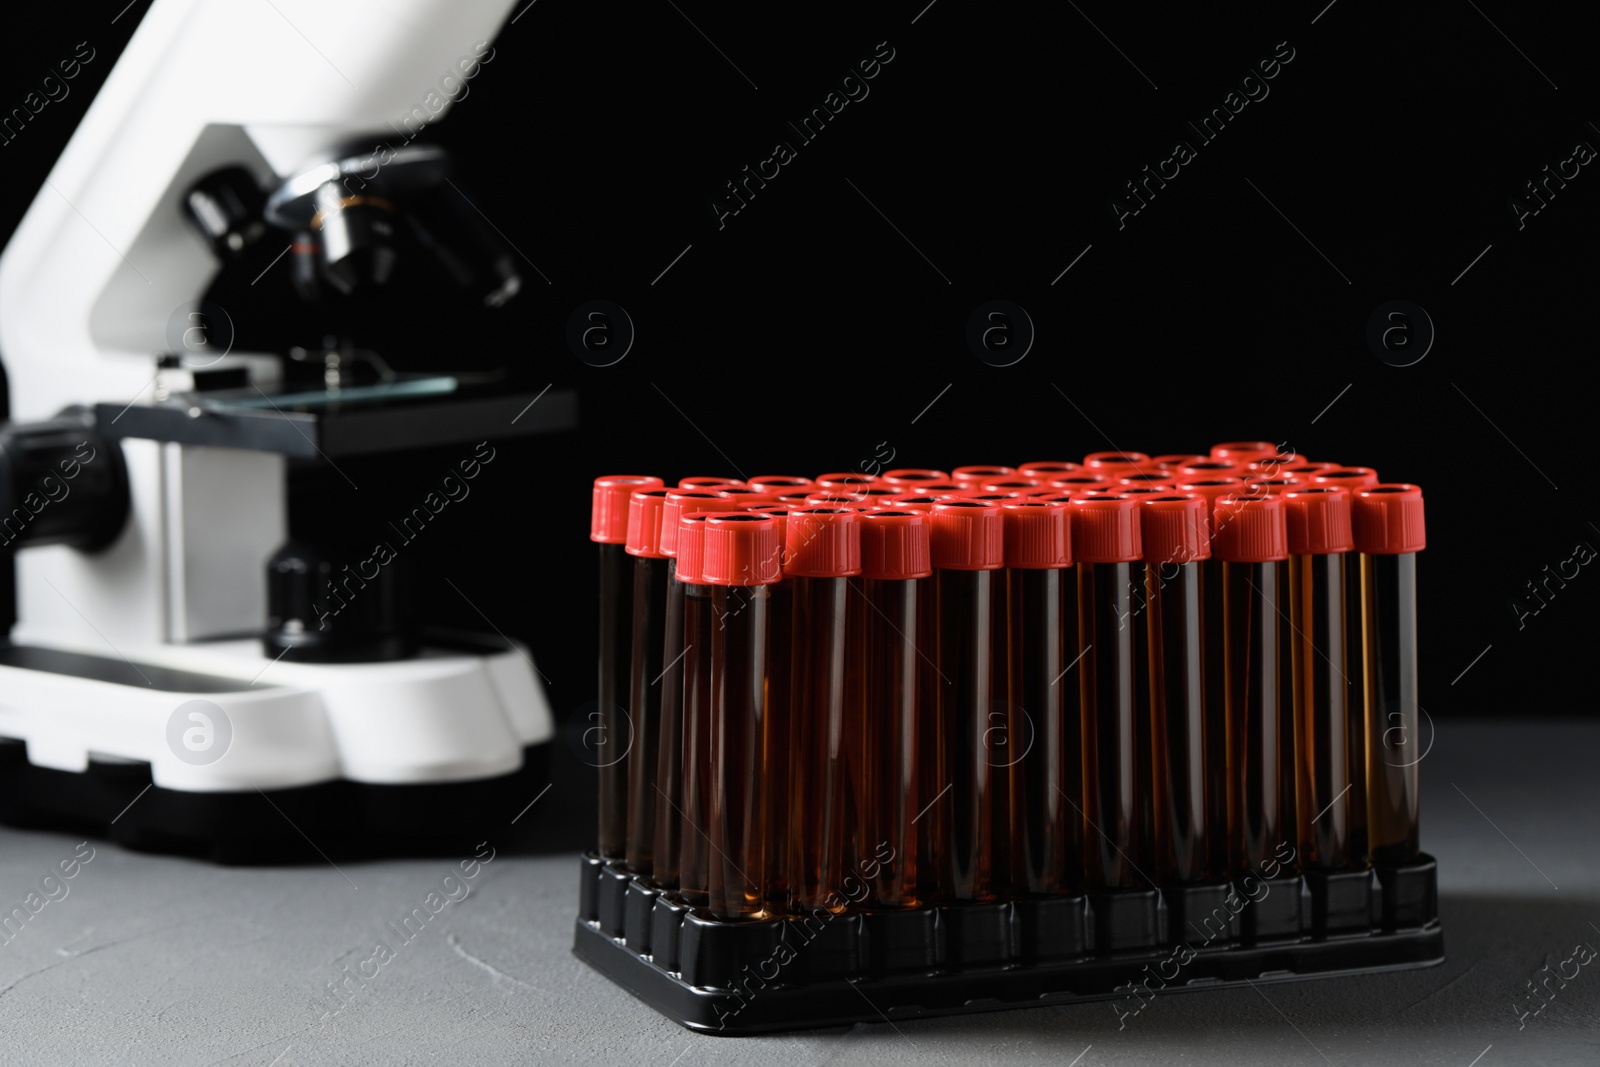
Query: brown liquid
point(1394, 746)
point(1216, 728)
point(898, 647)
point(825, 683)
point(1112, 805)
point(651, 578)
point(1316, 587)
point(669, 747)
point(694, 870)
point(966, 715)
point(1178, 719)
point(616, 629)
point(1251, 659)
point(738, 811)
point(1046, 764)
point(1356, 704)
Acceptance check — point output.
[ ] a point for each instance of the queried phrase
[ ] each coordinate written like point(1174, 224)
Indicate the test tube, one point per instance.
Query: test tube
point(1352, 479)
point(652, 576)
point(1251, 540)
point(1106, 551)
point(822, 553)
point(1389, 532)
point(1176, 542)
point(1173, 461)
point(1043, 734)
point(1212, 489)
point(608, 527)
point(1327, 771)
point(1117, 462)
point(691, 822)
point(845, 480)
point(740, 563)
point(968, 546)
point(898, 648)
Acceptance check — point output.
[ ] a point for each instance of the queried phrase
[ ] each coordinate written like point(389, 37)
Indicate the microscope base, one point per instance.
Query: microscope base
point(214, 750)
point(329, 821)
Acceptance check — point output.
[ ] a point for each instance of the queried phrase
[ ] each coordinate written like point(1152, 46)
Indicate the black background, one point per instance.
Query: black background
point(809, 331)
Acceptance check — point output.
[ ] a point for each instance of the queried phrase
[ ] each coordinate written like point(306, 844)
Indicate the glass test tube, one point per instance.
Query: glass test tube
point(686, 544)
point(1043, 734)
point(1352, 479)
point(1176, 543)
point(1389, 532)
point(608, 527)
point(1212, 488)
point(822, 552)
point(967, 543)
point(1319, 540)
point(740, 563)
point(652, 576)
point(1251, 540)
point(1106, 550)
point(898, 645)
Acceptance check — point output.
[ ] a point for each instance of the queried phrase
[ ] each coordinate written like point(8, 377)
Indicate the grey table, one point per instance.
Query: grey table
point(148, 959)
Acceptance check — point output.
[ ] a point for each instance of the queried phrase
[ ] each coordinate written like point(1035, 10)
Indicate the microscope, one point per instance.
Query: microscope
point(182, 676)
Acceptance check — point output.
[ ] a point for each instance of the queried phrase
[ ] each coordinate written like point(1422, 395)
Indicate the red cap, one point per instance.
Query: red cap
point(748, 494)
point(1105, 529)
point(1349, 477)
point(822, 543)
point(998, 498)
point(644, 523)
point(1079, 480)
point(1176, 459)
point(1212, 489)
point(1139, 491)
point(1388, 519)
point(1274, 486)
point(1011, 485)
point(1157, 479)
point(1209, 468)
point(913, 476)
point(779, 514)
point(878, 493)
point(1054, 496)
point(979, 475)
point(1246, 451)
point(895, 544)
point(827, 498)
point(742, 548)
point(681, 502)
point(793, 500)
point(1319, 520)
point(1251, 529)
point(1300, 467)
point(700, 482)
point(935, 488)
point(1116, 460)
point(844, 480)
point(1037, 534)
point(967, 535)
point(781, 483)
point(1173, 527)
point(691, 546)
point(1045, 469)
point(608, 517)
point(913, 501)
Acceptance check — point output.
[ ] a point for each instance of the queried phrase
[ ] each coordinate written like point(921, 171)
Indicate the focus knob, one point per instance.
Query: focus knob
point(324, 607)
point(61, 483)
